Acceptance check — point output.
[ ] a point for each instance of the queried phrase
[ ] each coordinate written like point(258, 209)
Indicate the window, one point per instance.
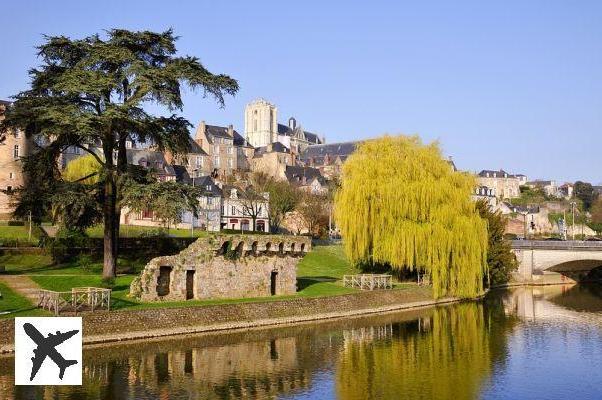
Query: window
point(147, 214)
point(208, 187)
point(16, 151)
point(209, 201)
point(17, 134)
point(216, 161)
point(233, 209)
point(11, 175)
point(199, 161)
point(230, 149)
point(9, 189)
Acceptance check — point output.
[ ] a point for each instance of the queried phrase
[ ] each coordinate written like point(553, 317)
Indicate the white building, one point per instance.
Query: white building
point(240, 207)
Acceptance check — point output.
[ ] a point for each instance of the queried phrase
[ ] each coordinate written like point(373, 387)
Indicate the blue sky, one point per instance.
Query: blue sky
point(514, 85)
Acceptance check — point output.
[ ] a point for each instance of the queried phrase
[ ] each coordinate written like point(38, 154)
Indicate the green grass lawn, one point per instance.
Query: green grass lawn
point(18, 305)
point(137, 231)
point(319, 273)
point(16, 233)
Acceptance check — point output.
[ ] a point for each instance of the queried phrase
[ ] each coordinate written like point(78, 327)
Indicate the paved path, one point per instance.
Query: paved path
point(23, 285)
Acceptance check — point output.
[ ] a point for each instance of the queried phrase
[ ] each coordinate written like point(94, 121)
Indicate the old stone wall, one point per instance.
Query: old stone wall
point(15, 146)
point(221, 266)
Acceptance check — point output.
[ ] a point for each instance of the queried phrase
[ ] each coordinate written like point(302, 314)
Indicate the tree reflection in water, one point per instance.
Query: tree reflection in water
point(437, 353)
point(445, 355)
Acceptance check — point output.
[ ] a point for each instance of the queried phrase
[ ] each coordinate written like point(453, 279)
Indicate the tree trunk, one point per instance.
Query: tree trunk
point(111, 227)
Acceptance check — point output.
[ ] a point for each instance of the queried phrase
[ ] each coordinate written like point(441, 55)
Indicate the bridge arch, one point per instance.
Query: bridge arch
point(539, 259)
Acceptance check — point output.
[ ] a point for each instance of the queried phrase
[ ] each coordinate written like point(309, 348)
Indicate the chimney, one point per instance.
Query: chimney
point(230, 130)
point(200, 133)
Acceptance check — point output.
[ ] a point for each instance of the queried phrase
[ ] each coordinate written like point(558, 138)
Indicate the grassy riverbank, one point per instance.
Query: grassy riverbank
point(319, 274)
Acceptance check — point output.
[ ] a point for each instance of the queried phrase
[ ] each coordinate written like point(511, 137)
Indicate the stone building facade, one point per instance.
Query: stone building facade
point(262, 128)
point(12, 149)
point(226, 149)
point(505, 185)
point(272, 160)
point(221, 267)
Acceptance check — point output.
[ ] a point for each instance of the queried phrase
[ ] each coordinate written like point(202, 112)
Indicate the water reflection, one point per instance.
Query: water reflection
point(464, 351)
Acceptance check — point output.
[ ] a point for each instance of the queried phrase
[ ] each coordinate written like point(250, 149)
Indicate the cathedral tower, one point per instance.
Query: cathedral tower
point(261, 126)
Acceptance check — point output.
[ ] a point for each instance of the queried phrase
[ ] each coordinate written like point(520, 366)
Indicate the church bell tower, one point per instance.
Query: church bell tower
point(261, 126)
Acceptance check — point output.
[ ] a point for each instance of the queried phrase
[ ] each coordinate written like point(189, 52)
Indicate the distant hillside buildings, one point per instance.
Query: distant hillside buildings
point(217, 155)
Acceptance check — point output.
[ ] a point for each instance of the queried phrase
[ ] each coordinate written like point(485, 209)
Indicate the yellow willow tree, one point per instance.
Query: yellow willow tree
point(83, 169)
point(401, 204)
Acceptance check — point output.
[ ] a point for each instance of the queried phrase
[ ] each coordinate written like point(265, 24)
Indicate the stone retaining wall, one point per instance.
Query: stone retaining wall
point(107, 326)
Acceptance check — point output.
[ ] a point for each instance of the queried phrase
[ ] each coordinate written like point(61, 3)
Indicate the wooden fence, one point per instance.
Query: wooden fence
point(368, 281)
point(78, 299)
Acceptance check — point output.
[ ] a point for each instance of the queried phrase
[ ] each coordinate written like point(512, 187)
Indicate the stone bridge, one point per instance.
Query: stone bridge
point(549, 262)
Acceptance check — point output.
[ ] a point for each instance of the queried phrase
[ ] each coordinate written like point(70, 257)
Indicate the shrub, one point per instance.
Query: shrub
point(67, 244)
point(16, 223)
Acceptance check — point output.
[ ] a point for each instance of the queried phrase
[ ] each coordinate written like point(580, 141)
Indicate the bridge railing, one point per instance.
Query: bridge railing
point(556, 244)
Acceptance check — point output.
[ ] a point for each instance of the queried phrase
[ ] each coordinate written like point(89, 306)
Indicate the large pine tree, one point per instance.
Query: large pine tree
point(96, 91)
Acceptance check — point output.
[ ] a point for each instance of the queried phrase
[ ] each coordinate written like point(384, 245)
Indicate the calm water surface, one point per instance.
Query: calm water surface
point(535, 343)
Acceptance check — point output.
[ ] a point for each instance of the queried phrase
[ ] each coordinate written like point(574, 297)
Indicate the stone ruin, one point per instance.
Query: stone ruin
point(224, 266)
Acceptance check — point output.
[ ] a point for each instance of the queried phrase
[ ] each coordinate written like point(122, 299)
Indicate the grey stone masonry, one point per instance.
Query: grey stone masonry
point(224, 266)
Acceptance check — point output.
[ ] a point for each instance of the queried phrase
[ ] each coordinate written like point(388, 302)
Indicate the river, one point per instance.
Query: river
point(525, 343)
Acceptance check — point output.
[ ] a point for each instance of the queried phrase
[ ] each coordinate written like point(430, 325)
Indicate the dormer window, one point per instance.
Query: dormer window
point(208, 187)
point(16, 151)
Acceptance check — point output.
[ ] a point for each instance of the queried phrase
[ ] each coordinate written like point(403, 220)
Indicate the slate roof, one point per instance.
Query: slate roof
point(522, 209)
point(150, 159)
point(181, 173)
point(295, 174)
point(277, 147)
point(287, 131)
point(222, 132)
point(499, 174)
point(343, 149)
point(195, 148)
point(206, 181)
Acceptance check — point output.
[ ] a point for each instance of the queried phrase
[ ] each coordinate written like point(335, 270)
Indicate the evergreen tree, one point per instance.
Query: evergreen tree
point(500, 259)
point(401, 204)
point(93, 91)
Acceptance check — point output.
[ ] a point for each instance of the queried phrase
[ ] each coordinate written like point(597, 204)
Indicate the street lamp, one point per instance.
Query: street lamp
point(573, 204)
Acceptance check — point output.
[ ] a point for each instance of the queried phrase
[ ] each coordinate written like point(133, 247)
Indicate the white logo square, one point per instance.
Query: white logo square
point(48, 351)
